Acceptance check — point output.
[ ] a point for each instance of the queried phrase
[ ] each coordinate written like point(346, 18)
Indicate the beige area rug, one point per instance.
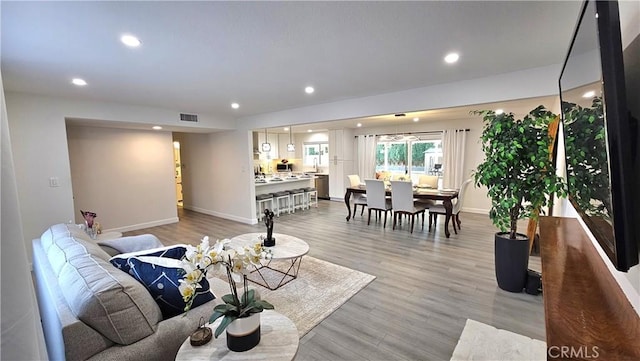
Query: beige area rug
point(483, 342)
point(321, 287)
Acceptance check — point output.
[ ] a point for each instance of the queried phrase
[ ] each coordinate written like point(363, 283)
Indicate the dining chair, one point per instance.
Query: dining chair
point(429, 181)
point(402, 202)
point(376, 199)
point(400, 177)
point(383, 175)
point(455, 211)
point(359, 199)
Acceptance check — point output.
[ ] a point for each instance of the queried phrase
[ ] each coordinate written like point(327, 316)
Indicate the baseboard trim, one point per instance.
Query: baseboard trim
point(134, 227)
point(223, 215)
point(476, 210)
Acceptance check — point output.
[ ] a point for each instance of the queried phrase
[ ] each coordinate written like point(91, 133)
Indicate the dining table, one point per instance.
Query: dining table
point(444, 195)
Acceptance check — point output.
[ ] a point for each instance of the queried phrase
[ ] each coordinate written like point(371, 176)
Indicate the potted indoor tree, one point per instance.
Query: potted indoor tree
point(520, 177)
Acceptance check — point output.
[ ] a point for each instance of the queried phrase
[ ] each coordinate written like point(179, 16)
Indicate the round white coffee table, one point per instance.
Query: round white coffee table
point(278, 342)
point(288, 249)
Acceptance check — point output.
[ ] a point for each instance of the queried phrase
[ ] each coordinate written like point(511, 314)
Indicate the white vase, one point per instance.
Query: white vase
point(244, 333)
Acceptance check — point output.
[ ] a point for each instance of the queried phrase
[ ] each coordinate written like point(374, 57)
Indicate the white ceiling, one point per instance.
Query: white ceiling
point(199, 57)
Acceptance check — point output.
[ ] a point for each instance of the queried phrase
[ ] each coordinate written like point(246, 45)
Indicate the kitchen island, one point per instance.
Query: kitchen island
point(286, 183)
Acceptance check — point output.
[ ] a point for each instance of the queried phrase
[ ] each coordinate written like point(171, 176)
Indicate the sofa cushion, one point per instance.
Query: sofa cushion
point(108, 300)
point(161, 275)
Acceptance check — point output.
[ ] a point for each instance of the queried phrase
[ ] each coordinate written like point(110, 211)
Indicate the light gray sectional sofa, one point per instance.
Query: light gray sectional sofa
point(93, 311)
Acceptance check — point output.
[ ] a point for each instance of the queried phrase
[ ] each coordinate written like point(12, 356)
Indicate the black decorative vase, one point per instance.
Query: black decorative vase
point(243, 334)
point(511, 261)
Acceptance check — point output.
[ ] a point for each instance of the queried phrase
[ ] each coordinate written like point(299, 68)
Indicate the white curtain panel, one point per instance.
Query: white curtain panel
point(453, 144)
point(366, 156)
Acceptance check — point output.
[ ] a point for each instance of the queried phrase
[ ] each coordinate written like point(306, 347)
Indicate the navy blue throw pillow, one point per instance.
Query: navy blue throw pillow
point(160, 277)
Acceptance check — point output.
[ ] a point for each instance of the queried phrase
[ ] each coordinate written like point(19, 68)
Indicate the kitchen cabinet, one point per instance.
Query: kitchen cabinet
point(283, 140)
point(341, 162)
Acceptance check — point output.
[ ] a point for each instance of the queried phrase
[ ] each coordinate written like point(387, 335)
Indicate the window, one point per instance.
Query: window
point(315, 154)
point(414, 157)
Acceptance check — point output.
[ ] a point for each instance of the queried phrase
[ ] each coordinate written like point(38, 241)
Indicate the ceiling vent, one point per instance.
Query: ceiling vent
point(188, 117)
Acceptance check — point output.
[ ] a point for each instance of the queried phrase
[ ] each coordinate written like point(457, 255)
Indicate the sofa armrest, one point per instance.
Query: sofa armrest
point(130, 244)
point(59, 324)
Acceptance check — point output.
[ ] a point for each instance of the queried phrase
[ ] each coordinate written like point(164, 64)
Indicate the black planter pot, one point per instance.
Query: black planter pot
point(244, 333)
point(511, 261)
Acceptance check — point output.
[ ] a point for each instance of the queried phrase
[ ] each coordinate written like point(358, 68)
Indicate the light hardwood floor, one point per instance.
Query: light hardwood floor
point(426, 285)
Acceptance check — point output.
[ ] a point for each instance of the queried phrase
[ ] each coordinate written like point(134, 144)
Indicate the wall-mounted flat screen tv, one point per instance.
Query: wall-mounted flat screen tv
point(601, 132)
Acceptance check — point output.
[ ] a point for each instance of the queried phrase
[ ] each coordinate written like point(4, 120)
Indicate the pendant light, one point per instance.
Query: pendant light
point(266, 146)
point(290, 147)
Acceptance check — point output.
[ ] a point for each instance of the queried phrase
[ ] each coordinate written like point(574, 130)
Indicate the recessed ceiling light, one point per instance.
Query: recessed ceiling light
point(286, 129)
point(309, 130)
point(309, 90)
point(359, 125)
point(156, 127)
point(451, 58)
point(499, 111)
point(78, 82)
point(235, 105)
point(130, 41)
point(416, 119)
point(589, 94)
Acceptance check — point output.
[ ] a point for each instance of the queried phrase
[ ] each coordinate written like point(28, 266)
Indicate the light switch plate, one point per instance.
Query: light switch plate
point(54, 182)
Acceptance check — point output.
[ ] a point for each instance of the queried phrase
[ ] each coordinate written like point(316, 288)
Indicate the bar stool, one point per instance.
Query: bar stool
point(298, 199)
point(311, 192)
point(261, 203)
point(278, 197)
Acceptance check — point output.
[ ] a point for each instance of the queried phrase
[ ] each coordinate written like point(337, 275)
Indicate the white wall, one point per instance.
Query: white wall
point(22, 337)
point(41, 151)
point(126, 176)
point(218, 174)
point(629, 21)
point(234, 190)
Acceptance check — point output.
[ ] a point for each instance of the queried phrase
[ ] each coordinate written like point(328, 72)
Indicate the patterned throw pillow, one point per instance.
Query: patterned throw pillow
point(160, 270)
point(160, 276)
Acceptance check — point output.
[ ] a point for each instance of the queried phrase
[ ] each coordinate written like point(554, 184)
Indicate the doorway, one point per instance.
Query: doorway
point(178, 172)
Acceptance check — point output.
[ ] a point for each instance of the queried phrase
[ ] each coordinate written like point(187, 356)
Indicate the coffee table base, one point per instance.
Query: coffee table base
point(287, 276)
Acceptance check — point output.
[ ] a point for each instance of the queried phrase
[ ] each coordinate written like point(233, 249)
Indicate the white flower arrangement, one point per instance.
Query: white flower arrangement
point(237, 263)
